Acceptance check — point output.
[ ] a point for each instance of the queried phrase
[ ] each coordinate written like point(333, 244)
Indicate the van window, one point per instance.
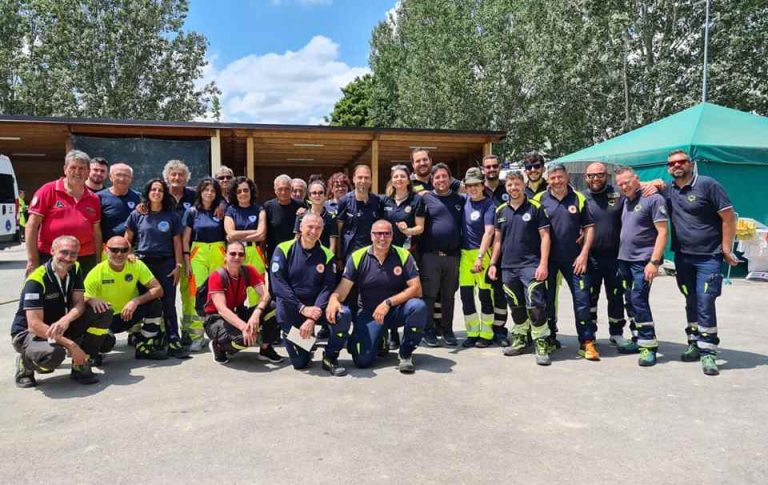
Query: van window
point(6, 189)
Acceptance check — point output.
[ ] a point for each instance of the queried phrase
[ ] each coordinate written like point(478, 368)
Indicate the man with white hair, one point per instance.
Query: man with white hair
point(118, 201)
point(299, 190)
point(281, 214)
point(224, 175)
point(65, 207)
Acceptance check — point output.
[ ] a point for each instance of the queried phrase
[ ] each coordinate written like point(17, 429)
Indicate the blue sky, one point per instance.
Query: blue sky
point(284, 61)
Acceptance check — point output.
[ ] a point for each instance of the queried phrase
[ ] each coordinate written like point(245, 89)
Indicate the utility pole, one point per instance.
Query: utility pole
point(706, 48)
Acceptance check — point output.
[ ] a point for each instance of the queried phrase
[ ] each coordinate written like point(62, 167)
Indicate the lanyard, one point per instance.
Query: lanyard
point(63, 287)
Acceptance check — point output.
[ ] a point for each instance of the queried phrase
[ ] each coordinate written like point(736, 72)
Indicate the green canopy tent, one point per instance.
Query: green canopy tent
point(728, 145)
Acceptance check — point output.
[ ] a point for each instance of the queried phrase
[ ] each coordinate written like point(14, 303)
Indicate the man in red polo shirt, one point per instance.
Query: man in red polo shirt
point(65, 207)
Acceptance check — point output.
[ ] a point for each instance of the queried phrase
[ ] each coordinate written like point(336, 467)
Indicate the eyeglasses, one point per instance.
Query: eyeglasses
point(317, 192)
point(596, 175)
point(224, 177)
point(118, 250)
point(67, 253)
point(243, 191)
point(672, 163)
point(381, 233)
point(491, 167)
point(533, 166)
point(236, 254)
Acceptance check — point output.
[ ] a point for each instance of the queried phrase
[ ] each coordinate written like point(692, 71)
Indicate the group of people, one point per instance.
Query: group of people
point(333, 260)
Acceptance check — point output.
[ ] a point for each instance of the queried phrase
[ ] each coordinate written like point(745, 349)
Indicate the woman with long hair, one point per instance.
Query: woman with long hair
point(338, 186)
point(204, 244)
point(317, 200)
point(156, 237)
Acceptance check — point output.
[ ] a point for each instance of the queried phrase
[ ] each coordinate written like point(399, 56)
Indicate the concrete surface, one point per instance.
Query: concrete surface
point(466, 416)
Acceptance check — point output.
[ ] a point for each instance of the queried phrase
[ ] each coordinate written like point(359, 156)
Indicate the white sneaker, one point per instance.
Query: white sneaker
point(199, 345)
point(618, 340)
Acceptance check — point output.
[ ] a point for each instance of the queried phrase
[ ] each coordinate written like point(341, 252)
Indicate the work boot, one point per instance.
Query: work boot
point(647, 357)
point(553, 343)
point(198, 345)
point(518, 346)
point(331, 364)
point(218, 354)
point(469, 342)
point(268, 354)
point(25, 378)
point(542, 351)
point(176, 349)
point(406, 365)
point(83, 374)
point(133, 339)
point(450, 339)
point(107, 344)
point(501, 340)
point(709, 365)
point(145, 350)
point(588, 350)
point(691, 354)
point(430, 338)
point(186, 339)
point(483, 343)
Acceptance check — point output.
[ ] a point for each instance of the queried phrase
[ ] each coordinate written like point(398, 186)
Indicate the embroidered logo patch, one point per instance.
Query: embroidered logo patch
point(526, 217)
point(275, 267)
point(572, 209)
point(320, 268)
point(475, 215)
point(252, 218)
point(131, 204)
point(505, 197)
point(129, 277)
point(407, 210)
point(638, 208)
point(187, 205)
point(164, 226)
point(58, 205)
point(691, 198)
point(397, 270)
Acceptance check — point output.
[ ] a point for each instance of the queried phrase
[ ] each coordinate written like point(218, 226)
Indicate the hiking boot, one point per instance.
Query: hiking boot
point(483, 343)
point(518, 346)
point(588, 350)
point(449, 339)
point(430, 339)
point(542, 352)
point(709, 365)
point(406, 365)
point(469, 342)
point(107, 344)
point(145, 350)
point(629, 347)
point(198, 345)
point(25, 378)
point(83, 374)
point(332, 365)
point(691, 354)
point(268, 354)
point(218, 354)
point(647, 357)
point(176, 349)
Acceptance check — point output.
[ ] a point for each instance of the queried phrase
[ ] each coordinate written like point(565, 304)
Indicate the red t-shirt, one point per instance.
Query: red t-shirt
point(235, 292)
point(63, 216)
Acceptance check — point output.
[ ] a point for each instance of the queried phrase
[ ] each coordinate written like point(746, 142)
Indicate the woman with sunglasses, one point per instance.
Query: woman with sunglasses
point(404, 209)
point(203, 240)
point(246, 221)
point(156, 237)
point(338, 186)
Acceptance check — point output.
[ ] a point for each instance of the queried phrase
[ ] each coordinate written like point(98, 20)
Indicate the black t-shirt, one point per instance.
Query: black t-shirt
point(44, 291)
point(605, 209)
point(444, 223)
point(281, 220)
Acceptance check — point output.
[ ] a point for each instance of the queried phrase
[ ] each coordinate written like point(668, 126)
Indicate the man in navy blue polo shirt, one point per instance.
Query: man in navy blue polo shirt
point(357, 212)
point(572, 233)
point(390, 297)
point(703, 227)
point(605, 204)
point(643, 239)
point(520, 260)
point(117, 202)
point(441, 246)
point(302, 276)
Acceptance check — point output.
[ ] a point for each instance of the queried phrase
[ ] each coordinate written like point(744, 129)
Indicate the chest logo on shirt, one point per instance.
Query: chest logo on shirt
point(691, 198)
point(572, 209)
point(612, 201)
point(90, 209)
point(458, 207)
point(416, 188)
point(407, 210)
point(638, 208)
point(475, 215)
point(526, 217)
point(129, 277)
point(187, 205)
point(52, 296)
point(505, 197)
point(107, 282)
point(398, 270)
point(502, 220)
point(164, 226)
point(131, 204)
point(320, 268)
point(252, 218)
point(57, 205)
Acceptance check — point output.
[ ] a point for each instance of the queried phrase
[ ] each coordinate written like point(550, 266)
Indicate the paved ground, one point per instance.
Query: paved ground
point(466, 416)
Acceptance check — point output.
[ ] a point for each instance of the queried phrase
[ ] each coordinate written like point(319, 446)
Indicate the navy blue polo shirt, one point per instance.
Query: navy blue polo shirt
point(153, 233)
point(477, 215)
point(694, 210)
point(115, 209)
point(521, 234)
point(567, 218)
point(638, 229)
point(499, 195)
point(358, 218)
point(206, 227)
point(605, 209)
point(280, 221)
point(299, 276)
point(44, 291)
point(407, 211)
point(187, 200)
point(330, 229)
point(442, 230)
point(245, 218)
point(378, 281)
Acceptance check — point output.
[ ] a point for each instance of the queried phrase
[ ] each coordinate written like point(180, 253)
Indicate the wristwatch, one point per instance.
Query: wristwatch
point(656, 262)
point(388, 302)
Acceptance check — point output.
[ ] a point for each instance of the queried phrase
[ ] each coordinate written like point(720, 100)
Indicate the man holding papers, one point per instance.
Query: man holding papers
point(302, 276)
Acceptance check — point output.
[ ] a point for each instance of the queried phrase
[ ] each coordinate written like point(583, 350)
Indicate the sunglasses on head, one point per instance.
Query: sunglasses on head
point(116, 250)
point(236, 254)
point(533, 166)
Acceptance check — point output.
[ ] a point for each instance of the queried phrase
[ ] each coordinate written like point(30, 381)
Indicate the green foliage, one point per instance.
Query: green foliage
point(562, 74)
point(353, 109)
point(101, 58)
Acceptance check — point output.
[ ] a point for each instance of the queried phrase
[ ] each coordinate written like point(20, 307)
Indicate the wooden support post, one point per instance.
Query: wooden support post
point(215, 152)
point(488, 148)
point(250, 169)
point(375, 165)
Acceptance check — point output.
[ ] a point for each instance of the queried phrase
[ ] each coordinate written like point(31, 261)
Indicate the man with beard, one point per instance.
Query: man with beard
point(97, 172)
point(534, 170)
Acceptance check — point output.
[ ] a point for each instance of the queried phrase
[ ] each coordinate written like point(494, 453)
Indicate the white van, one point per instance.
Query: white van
point(9, 193)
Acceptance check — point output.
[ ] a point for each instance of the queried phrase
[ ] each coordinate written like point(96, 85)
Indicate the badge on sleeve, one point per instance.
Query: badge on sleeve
point(275, 267)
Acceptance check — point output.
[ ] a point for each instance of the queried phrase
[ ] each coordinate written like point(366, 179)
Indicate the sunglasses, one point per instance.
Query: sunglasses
point(534, 166)
point(381, 233)
point(672, 163)
point(491, 167)
point(596, 175)
point(224, 177)
point(317, 192)
point(236, 254)
point(118, 250)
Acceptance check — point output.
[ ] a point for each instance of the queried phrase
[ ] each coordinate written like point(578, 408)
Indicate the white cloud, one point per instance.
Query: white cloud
point(296, 87)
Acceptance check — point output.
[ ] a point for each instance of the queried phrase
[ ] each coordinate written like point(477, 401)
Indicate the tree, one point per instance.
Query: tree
point(353, 109)
point(102, 58)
